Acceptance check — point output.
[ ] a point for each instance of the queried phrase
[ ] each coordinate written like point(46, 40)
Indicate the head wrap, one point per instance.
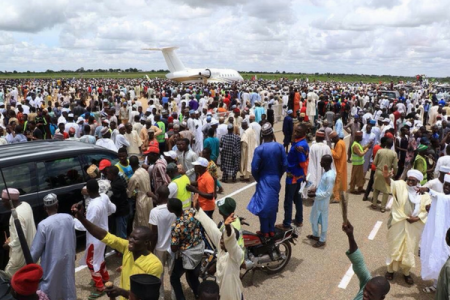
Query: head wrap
point(289, 112)
point(444, 169)
point(356, 116)
point(372, 122)
point(416, 174)
point(104, 130)
point(14, 193)
point(93, 171)
point(26, 281)
point(266, 129)
point(302, 115)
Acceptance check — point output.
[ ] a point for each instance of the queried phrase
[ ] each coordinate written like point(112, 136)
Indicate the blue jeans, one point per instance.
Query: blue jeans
point(121, 226)
point(292, 196)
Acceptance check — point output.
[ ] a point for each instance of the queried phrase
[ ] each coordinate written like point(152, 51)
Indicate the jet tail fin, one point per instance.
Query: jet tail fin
point(172, 60)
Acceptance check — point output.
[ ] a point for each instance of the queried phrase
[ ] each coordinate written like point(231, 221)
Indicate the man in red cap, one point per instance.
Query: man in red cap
point(25, 283)
point(25, 215)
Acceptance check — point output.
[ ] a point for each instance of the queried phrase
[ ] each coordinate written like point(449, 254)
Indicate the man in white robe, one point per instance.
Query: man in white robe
point(257, 129)
point(312, 99)
point(433, 248)
point(25, 216)
point(120, 141)
point(316, 151)
point(135, 142)
point(100, 207)
point(198, 145)
point(406, 223)
point(248, 146)
point(106, 141)
point(55, 245)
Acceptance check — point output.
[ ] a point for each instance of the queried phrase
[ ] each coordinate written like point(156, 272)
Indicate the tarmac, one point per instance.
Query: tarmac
point(323, 273)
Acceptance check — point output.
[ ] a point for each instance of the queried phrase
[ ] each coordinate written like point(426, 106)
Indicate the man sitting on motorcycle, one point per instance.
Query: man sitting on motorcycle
point(229, 254)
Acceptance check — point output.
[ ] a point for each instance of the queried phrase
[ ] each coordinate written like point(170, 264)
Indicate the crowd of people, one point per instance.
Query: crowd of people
point(178, 144)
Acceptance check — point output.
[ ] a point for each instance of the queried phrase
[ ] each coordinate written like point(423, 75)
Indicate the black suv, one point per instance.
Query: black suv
point(42, 167)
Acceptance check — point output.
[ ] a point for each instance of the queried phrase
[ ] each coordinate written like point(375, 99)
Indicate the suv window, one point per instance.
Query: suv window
point(61, 172)
point(95, 158)
point(20, 177)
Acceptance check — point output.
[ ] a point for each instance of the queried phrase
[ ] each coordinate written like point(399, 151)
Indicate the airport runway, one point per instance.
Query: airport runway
point(312, 273)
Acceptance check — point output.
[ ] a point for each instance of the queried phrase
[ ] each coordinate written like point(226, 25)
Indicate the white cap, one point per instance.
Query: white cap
point(201, 161)
point(214, 122)
point(386, 120)
point(80, 119)
point(70, 115)
point(444, 169)
point(172, 154)
point(50, 200)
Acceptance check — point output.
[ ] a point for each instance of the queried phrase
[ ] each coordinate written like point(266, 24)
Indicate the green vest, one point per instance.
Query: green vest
point(162, 137)
point(357, 160)
point(424, 172)
point(182, 194)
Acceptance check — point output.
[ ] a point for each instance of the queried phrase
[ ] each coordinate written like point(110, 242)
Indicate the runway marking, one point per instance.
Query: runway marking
point(374, 231)
point(238, 191)
point(78, 269)
point(347, 278)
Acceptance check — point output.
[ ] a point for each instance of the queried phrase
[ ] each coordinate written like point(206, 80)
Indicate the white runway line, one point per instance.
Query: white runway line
point(347, 278)
point(374, 231)
point(78, 269)
point(238, 191)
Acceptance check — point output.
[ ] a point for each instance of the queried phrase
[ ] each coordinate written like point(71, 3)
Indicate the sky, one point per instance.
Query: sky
point(382, 37)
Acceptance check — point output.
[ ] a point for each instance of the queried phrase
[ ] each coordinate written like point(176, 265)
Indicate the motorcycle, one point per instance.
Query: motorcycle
point(270, 255)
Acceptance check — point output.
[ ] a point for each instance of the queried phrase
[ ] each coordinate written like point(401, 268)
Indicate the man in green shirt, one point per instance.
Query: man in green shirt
point(375, 288)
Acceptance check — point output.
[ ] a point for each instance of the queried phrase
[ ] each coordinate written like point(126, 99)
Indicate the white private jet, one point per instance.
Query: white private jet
point(179, 73)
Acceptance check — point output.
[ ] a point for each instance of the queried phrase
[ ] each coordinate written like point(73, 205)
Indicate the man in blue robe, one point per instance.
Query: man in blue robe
point(319, 212)
point(268, 166)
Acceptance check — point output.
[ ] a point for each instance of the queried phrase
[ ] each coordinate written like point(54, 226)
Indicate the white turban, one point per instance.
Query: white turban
point(444, 169)
point(416, 174)
point(447, 178)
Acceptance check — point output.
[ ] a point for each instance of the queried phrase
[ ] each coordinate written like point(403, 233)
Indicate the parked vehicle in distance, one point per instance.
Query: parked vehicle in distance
point(47, 166)
point(390, 94)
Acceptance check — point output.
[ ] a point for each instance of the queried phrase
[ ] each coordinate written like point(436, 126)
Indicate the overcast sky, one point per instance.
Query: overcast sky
point(398, 37)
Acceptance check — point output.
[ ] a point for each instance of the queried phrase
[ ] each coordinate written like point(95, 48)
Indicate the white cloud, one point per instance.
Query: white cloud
point(337, 36)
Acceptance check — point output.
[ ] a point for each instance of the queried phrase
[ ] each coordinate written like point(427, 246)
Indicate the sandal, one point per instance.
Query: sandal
point(389, 276)
point(429, 290)
point(409, 280)
point(319, 244)
point(311, 237)
point(96, 295)
point(383, 210)
point(374, 207)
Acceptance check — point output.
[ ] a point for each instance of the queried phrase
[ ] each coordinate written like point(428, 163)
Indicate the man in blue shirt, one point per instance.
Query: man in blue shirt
point(339, 126)
point(375, 288)
point(298, 159)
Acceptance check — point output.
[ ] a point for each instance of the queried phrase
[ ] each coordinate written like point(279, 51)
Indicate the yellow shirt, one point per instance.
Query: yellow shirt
point(149, 264)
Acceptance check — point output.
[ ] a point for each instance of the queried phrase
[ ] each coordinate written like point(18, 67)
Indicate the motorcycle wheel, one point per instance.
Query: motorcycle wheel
point(286, 250)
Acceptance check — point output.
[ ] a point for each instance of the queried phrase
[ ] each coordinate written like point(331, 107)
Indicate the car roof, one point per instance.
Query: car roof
point(45, 149)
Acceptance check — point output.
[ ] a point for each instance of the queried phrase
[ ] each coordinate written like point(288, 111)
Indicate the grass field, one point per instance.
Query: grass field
point(245, 75)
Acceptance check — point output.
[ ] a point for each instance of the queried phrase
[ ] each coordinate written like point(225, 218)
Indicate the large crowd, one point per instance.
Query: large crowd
point(177, 144)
